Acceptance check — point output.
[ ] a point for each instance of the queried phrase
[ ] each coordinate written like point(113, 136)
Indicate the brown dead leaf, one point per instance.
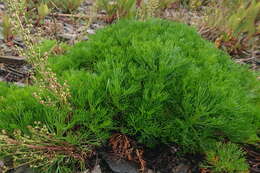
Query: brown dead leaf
point(126, 148)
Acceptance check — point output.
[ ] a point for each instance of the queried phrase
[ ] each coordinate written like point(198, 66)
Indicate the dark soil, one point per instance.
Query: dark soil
point(163, 159)
point(166, 159)
point(253, 156)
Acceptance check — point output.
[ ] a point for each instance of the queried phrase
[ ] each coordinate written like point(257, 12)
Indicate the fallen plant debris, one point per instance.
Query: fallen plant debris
point(12, 60)
point(253, 156)
point(15, 73)
point(126, 148)
point(40, 149)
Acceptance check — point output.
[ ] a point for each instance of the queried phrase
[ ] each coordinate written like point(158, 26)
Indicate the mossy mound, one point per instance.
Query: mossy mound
point(157, 81)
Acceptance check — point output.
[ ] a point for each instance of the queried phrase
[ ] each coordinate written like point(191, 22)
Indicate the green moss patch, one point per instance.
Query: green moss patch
point(157, 81)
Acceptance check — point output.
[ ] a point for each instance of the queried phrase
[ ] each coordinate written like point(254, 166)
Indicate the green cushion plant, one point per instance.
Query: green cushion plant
point(157, 81)
point(162, 82)
point(226, 158)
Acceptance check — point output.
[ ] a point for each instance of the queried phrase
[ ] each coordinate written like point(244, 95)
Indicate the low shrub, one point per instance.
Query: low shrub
point(226, 158)
point(157, 81)
point(40, 135)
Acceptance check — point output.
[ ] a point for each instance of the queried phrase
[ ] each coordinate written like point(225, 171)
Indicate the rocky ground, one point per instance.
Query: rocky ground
point(61, 27)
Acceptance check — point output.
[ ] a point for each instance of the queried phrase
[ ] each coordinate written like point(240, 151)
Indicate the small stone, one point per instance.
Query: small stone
point(95, 25)
point(150, 171)
point(91, 31)
point(68, 28)
point(120, 165)
point(1, 163)
point(96, 169)
point(85, 38)
point(2, 7)
point(2, 80)
point(103, 12)
point(67, 36)
point(24, 169)
point(257, 60)
point(86, 171)
point(19, 84)
point(181, 169)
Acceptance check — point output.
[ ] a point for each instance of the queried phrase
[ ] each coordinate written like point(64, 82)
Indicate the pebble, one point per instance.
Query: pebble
point(96, 169)
point(23, 169)
point(181, 169)
point(68, 28)
point(150, 171)
point(120, 165)
point(1, 162)
point(91, 31)
point(68, 36)
point(85, 38)
point(2, 7)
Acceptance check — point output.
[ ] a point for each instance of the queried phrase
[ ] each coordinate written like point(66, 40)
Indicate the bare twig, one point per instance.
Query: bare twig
point(12, 59)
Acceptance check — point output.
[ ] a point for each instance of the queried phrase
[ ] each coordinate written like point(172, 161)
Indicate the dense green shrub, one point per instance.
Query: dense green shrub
point(160, 81)
point(226, 158)
point(157, 81)
point(19, 108)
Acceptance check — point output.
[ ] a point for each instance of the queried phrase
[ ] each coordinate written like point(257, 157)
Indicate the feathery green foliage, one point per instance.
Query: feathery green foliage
point(160, 81)
point(157, 81)
point(226, 158)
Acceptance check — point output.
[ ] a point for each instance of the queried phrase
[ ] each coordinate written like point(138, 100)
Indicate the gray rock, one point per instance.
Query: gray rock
point(23, 169)
point(1, 80)
point(1, 162)
point(68, 28)
point(96, 169)
point(2, 6)
point(97, 25)
point(257, 60)
point(85, 38)
point(91, 31)
point(120, 165)
point(150, 171)
point(67, 36)
point(87, 171)
point(19, 84)
point(181, 169)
